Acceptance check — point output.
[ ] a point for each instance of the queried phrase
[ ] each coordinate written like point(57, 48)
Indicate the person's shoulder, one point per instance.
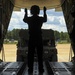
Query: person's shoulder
point(29, 17)
point(40, 16)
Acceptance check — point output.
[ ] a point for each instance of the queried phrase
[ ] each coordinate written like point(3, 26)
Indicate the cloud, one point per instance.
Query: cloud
point(61, 20)
point(54, 27)
point(50, 18)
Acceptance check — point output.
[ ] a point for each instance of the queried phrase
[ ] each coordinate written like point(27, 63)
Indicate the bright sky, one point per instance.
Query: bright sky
point(55, 20)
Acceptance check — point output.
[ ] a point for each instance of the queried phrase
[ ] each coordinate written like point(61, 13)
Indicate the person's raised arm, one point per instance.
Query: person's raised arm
point(25, 16)
point(45, 16)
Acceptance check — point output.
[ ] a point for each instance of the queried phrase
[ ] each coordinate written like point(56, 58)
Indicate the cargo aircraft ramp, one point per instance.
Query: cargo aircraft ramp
point(50, 68)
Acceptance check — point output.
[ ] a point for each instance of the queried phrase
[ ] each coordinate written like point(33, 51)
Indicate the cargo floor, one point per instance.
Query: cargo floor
point(50, 68)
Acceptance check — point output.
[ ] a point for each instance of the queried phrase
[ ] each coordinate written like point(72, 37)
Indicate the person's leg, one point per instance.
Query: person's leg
point(31, 49)
point(40, 55)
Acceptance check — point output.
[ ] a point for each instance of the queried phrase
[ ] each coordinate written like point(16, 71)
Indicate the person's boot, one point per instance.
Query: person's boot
point(41, 72)
point(30, 73)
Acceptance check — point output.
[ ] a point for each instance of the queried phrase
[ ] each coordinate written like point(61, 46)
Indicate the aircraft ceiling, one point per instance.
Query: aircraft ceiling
point(50, 4)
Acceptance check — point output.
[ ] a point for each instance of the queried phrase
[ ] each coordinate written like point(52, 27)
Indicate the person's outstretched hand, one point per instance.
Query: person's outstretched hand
point(44, 9)
point(26, 10)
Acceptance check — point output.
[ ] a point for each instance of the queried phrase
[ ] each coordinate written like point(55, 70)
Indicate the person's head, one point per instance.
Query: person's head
point(35, 10)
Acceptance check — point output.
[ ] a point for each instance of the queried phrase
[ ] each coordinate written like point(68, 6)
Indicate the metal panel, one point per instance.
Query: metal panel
point(12, 68)
point(50, 68)
point(6, 8)
point(41, 3)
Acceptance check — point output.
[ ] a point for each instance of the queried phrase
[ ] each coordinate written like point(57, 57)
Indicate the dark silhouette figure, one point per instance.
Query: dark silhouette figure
point(35, 36)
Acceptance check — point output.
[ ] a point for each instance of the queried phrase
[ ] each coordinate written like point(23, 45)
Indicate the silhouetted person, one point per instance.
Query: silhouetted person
point(35, 36)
